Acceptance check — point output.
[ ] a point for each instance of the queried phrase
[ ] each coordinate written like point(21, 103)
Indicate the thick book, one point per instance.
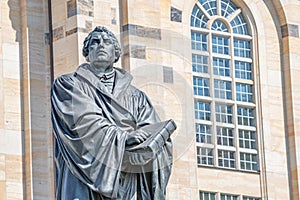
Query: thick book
point(160, 133)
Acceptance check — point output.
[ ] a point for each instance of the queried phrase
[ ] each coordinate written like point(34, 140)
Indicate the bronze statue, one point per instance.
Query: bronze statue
point(109, 141)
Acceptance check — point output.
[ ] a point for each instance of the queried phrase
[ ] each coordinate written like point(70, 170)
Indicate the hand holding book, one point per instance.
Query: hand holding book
point(140, 154)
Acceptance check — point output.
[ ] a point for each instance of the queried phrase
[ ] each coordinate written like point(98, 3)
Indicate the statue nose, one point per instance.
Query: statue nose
point(101, 43)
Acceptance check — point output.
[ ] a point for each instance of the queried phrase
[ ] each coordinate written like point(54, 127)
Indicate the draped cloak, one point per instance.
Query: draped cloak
point(91, 127)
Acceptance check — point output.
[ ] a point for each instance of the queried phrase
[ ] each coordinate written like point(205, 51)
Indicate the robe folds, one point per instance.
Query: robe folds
point(90, 126)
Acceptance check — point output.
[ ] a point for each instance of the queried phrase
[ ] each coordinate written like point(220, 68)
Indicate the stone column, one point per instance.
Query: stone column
point(35, 104)
point(291, 73)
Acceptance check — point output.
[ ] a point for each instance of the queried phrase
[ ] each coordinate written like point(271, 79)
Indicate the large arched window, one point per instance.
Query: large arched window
point(223, 80)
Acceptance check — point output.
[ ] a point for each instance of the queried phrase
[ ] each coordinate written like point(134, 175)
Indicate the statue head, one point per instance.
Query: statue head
point(101, 47)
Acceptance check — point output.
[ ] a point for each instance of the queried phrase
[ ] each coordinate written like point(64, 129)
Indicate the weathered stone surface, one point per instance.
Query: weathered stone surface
point(70, 32)
point(142, 31)
point(137, 51)
point(113, 16)
point(176, 14)
point(168, 74)
point(58, 33)
point(86, 7)
point(72, 8)
point(290, 30)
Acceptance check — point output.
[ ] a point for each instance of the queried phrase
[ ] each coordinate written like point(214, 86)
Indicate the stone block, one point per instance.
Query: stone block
point(86, 7)
point(137, 51)
point(12, 103)
point(89, 25)
point(14, 167)
point(142, 31)
point(10, 143)
point(2, 190)
point(11, 87)
point(12, 121)
point(72, 8)
point(58, 33)
point(176, 15)
point(11, 52)
point(72, 31)
point(14, 190)
point(11, 69)
point(290, 30)
point(2, 165)
point(59, 11)
point(168, 74)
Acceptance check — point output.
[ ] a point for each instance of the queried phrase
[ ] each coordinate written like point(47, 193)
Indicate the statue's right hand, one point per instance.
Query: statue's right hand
point(136, 137)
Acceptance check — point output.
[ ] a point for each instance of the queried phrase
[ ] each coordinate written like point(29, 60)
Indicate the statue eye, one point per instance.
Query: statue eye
point(108, 41)
point(94, 42)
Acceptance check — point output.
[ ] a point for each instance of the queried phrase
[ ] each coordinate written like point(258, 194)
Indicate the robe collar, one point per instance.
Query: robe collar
point(122, 80)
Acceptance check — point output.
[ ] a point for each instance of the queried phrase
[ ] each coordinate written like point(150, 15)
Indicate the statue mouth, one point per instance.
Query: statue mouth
point(102, 52)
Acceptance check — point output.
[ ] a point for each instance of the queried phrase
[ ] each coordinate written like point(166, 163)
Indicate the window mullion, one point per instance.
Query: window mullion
point(233, 15)
point(219, 7)
point(203, 10)
point(212, 93)
point(235, 120)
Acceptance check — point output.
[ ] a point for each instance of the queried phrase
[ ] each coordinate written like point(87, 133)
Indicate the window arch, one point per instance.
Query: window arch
point(224, 85)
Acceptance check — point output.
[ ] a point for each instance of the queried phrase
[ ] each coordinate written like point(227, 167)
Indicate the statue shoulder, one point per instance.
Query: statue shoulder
point(66, 80)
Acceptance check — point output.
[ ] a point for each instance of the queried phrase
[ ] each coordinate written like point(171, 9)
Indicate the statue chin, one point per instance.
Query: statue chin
point(102, 67)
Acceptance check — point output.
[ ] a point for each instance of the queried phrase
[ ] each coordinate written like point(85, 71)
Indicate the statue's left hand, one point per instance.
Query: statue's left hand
point(136, 137)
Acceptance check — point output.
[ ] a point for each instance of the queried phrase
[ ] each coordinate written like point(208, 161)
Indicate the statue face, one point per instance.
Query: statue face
point(101, 51)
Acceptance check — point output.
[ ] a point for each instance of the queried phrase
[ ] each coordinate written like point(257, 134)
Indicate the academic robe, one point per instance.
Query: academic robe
point(90, 126)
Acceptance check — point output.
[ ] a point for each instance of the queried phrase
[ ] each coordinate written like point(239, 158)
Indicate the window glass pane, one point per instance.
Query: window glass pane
point(244, 92)
point(210, 6)
point(227, 8)
point(221, 67)
point(200, 63)
point(225, 136)
point(199, 41)
point(222, 89)
point(247, 139)
point(207, 195)
point(242, 48)
point(248, 162)
point(226, 159)
point(220, 45)
point(203, 133)
point(243, 70)
point(205, 156)
point(229, 197)
point(250, 198)
point(239, 25)
point(219, 26)
point(198, 19)
point(202, 110)
point(201, 86)
point(246, 116)
point(223, 113)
